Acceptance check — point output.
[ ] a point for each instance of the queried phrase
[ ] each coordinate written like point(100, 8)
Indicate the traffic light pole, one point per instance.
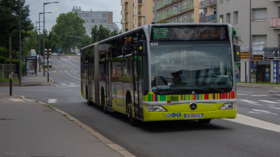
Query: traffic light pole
point(250, 44)
point(10, 76)
point(48, 75)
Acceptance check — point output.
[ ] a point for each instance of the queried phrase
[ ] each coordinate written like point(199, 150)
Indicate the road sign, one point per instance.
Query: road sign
point(234, 32)
point(258, 43)
point(244, 57)
point(275, 71)
point(257, 48)
point(258, 57)
point(273, 58)
point(258, 53)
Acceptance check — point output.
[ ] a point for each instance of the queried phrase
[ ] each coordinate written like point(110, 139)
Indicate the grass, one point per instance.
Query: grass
point(267, 83)
point(7, 80)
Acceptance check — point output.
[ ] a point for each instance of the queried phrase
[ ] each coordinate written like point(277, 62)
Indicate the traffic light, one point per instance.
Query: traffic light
point(258, 57)
point(245, 55)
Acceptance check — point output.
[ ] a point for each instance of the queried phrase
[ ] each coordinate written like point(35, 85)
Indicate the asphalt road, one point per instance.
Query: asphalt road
point(165, 139)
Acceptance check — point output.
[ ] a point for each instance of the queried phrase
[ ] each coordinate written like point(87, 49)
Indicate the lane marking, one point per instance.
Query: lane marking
point(52, 101)
point(242, 94)
point(264, 111)
point(54, 72)
point(72, 76)
point(250, 121)
point(248, 101)
point(274, 107)
point(72, 83)
point(272, 102)
point(254, 112)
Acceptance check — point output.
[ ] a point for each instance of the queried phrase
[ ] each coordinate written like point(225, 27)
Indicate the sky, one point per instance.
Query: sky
point(65, 6)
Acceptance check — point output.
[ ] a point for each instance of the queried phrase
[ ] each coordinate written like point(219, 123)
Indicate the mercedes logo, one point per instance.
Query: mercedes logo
point(193, 106)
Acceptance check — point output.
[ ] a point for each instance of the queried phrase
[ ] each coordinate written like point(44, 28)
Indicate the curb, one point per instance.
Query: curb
point(103, 139)
point(257, 85)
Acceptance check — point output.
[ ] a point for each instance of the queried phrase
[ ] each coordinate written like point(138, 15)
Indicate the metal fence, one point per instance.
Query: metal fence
point(5, 70)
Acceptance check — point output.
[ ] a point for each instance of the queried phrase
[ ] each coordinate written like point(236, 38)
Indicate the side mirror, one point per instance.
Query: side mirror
point(237, 54)
point(142, 47)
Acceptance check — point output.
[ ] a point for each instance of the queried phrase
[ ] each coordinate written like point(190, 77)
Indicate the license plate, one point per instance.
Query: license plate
point(193, 116)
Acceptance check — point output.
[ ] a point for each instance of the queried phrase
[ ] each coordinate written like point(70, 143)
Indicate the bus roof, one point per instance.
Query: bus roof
point(151, 25)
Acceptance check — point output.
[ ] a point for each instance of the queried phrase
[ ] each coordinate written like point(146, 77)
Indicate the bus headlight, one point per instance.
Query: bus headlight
point(155, 108)
point(228, 106)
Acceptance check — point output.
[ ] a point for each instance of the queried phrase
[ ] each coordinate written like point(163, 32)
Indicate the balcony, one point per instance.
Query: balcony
point(139, 2)
point(126, 29)
point(139, 24)
point(164, 4)
point(186, 7)
point(275, 23)
point(208, 19)
point(206, 3)
point(125, 20)
point(191, 20)
point(126, 10)
point(139, 12)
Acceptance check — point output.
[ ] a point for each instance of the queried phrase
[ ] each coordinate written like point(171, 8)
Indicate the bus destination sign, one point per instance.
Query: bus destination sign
point(191, 33)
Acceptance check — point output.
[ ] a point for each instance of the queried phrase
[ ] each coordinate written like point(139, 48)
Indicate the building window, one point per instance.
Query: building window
point(235, 17)
point(221, 18)
point(259, 14)
point(228, 18)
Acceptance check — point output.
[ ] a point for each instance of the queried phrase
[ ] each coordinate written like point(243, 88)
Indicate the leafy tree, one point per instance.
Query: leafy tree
point(103, 33)
point(94, 34)
point(113, 33)
point(86, 40)
point(66, 25)
point(9, 13)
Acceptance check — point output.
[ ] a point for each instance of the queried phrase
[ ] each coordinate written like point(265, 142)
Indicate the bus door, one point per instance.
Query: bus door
point(108, 80)
point(89, 75)
point(137, 83)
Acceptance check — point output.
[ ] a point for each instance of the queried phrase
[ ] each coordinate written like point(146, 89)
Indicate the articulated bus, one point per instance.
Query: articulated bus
point(163, 72)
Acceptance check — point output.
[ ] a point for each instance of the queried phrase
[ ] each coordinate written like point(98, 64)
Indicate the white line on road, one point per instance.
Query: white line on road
point(275, 107)
point(272, 102)
point(254, 112)
point(242, 94)
point(248, 101)
point(250, 121)
point(52, 101)
point(72, 75)
point(264, 111)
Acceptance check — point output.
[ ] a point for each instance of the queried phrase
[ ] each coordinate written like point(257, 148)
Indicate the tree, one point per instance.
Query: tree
point(94, 34)
point(67, 25)
point(9, 13)
point(113, 33)
point(103, 33)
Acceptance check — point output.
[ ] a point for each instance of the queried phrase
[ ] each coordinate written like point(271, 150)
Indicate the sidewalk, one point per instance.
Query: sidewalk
point(28, 128)
point(31, 80)
point(252, 85)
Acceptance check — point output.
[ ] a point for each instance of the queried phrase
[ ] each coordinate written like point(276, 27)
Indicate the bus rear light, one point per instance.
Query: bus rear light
point(228, 106)
point(168, 102)
point(155, 108)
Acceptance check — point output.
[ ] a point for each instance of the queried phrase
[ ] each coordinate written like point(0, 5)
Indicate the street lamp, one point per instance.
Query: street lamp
point(19, 22)
point(40, 44)
point(250, 42)
point(44, 31)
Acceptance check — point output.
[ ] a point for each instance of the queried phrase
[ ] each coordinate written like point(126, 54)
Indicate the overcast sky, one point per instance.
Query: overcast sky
point(65, 6)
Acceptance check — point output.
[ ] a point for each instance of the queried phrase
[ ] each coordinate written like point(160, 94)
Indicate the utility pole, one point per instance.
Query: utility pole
point(250, 43)
point(11, 75)
point(155, 12)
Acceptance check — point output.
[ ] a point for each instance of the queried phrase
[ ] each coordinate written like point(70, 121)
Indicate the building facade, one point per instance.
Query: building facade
point(136, 13)
point(236, 13)
point(208, 11)
point(96, 18)
point(177, 11)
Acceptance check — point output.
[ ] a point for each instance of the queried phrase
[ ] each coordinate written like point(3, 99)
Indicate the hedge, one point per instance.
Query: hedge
point(16, 62)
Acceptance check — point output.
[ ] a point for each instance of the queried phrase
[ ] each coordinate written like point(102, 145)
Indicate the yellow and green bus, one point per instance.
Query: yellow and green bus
point(163, 72)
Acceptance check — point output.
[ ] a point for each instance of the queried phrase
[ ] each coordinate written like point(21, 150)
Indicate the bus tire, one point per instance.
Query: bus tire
point(104, 108)
point(132, 120)
point(204, 121)
point(87, 96)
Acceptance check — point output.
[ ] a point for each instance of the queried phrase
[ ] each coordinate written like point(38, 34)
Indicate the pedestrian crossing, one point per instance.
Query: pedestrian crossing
point(63, 71)
point(66, 84)
point(267, 107)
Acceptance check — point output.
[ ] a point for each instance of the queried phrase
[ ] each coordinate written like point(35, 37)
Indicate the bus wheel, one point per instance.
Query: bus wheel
point(204, 121)
point(133, 121)
point(103, 103)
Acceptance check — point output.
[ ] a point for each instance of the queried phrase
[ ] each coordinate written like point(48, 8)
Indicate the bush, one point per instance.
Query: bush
point(3, 59)
point(16, 62)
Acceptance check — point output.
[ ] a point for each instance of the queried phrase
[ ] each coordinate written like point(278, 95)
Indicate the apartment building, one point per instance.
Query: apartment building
point(96, 18)
point(136, 13)
point(181, 11)
point(265, 22)
point(208, 10)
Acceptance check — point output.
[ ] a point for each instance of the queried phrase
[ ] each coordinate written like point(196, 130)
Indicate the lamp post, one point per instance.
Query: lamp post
point(250, 42)
point(40, 43)
point(44, 29)
point(19, 22)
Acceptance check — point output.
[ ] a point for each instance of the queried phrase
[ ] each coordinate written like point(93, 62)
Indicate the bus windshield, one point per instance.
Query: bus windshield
point(191, 67)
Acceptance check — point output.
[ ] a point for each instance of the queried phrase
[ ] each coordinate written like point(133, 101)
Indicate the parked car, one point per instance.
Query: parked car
point(78, 54)
point(54, 54)
point(46, 63)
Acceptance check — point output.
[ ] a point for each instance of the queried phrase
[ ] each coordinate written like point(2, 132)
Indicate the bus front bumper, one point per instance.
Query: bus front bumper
point(176, 112)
